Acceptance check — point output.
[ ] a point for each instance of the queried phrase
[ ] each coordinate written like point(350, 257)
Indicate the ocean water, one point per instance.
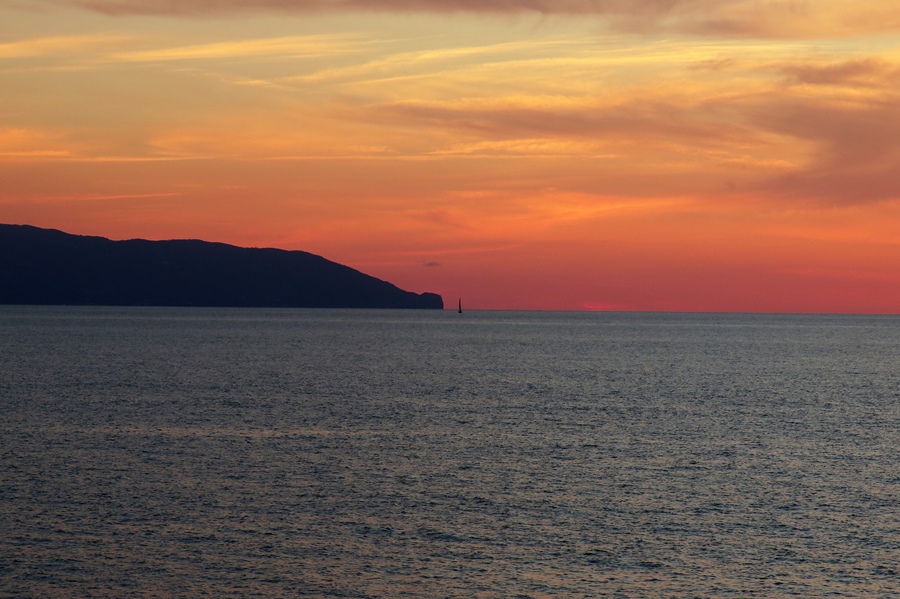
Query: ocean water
point(311, 453)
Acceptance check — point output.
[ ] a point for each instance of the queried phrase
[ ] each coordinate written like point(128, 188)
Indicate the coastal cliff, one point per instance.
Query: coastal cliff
point(46, 266)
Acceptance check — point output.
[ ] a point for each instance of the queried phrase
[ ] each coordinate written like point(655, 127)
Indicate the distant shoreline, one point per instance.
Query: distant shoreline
point(53, 268)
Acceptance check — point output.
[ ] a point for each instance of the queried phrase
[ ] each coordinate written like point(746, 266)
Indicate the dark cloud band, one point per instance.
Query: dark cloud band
point(726, 18)
point(599, 7)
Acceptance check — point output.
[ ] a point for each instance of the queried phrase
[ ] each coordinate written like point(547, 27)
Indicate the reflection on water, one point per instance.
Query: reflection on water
point(215, 453)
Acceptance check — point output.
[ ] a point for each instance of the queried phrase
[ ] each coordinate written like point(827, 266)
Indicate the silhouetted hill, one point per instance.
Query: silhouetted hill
point(45, 266)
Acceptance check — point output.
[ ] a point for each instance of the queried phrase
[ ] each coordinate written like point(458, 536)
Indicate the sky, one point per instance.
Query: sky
point(649, 155)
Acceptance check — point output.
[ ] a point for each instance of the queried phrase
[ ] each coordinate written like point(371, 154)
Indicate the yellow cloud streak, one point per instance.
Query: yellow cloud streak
point(312, 45)
point(21, 143)
point(427, 58)
point(572, 70)
point(57, 46)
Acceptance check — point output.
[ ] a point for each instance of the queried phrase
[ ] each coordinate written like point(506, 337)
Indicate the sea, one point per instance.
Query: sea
point(191, 452)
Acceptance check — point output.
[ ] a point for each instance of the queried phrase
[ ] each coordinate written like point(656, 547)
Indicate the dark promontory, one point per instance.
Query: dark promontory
point(45, 266)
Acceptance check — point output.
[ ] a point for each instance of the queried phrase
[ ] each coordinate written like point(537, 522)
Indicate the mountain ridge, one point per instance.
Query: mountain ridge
point(50, 267)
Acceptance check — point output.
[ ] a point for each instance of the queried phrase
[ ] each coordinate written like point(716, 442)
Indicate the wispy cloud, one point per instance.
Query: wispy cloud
point(830, 136)
point(526, 147)
point(293, 46)
point(862, 72)
point(769, 18)
point(525, 119)
point(857, 158)
point(30, 143)
point(57, 46)
point(500, 6)
point(393, 65)
point(99, 197)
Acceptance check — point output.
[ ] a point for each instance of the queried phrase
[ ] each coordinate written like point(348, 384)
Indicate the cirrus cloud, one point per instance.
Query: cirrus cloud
point(732, 18)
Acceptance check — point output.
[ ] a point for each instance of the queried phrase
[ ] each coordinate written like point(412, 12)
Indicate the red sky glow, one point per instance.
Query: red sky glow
point(673, 155)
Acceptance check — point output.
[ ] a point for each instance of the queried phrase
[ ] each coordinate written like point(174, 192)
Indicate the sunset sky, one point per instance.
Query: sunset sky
point(686, 155)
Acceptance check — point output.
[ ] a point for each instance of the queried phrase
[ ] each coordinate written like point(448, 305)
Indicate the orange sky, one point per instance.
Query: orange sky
point(690, 155)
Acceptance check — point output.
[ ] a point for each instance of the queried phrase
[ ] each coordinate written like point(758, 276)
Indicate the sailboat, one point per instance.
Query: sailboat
point(460, 306)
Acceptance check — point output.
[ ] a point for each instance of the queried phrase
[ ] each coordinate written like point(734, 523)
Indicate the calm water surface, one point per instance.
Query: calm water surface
point(267, 453)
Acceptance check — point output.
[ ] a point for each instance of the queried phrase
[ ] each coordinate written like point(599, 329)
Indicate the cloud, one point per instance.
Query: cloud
point(61, 45)
point(864, 72)
point(523, 147)
point(857, 161)
point(531, 122)
point(832, 139)
point(764, 18)
point(393, 65)
point(22, 143)
point(650, 7)
point(99, 197)
point(313, 45)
